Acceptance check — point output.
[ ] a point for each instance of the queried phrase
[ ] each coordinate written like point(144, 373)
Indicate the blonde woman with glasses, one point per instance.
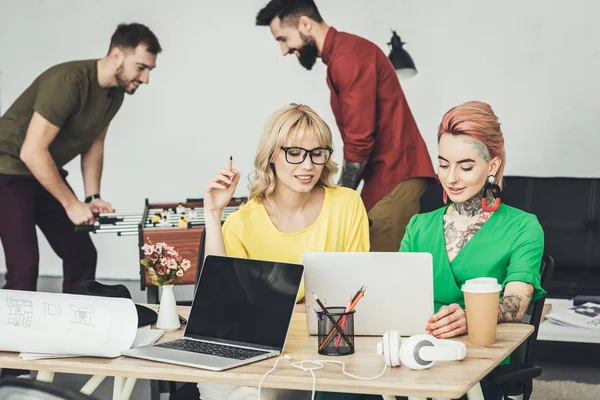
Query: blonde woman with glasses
point(294, 206)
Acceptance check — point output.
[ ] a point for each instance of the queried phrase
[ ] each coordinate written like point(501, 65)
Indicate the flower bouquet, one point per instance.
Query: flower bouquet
point(164, 265)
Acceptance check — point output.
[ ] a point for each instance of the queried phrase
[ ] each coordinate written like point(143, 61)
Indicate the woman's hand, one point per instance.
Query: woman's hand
point(448, 322)
point(220, 190)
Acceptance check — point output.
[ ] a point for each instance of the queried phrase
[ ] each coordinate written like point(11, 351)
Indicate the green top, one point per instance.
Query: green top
point(508, 247)
point(69, 96)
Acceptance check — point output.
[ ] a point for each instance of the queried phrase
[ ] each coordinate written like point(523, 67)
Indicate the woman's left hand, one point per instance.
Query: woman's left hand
point(448, 322)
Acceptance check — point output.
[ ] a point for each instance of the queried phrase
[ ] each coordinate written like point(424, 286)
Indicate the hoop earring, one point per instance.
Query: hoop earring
point(490, 185)
point(445, 196)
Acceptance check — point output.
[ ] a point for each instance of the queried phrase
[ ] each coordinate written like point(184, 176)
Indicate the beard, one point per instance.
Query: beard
point(308, 53)
point(123, 82)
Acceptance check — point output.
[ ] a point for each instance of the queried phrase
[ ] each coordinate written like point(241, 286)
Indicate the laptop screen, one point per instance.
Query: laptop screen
point(244, 301)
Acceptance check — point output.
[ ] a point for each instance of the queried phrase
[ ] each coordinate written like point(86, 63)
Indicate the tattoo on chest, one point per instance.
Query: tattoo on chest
point(458, 236)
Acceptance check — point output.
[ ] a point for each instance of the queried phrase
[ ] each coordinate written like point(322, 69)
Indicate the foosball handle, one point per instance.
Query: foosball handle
point(85, 228)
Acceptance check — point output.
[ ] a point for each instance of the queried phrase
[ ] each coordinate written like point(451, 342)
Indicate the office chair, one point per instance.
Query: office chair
point(516, 378)
point(27, 389)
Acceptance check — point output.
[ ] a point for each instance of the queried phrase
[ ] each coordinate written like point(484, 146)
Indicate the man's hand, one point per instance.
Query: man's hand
point(100, 206)
point(351, 174)
point(80, 213)
point(449, 321)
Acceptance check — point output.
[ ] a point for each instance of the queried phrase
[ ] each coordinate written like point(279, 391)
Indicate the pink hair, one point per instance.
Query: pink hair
point(477, 119)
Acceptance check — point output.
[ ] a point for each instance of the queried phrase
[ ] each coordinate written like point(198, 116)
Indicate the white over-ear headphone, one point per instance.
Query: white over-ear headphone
point(418, 351)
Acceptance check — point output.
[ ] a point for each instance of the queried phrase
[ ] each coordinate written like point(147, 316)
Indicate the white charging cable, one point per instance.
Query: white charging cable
point(318, 364)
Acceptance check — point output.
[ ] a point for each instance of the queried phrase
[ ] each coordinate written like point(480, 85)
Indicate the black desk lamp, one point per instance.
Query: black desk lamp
point(402, 61)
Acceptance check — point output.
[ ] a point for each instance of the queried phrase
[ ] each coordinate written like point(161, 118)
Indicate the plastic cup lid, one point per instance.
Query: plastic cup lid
point(482, 285)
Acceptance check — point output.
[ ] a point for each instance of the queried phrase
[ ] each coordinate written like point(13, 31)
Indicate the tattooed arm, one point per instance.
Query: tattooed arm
point(513, 304)
point(351, 174)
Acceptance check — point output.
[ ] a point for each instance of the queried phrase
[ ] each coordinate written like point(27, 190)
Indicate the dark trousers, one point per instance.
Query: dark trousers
point(24, 203)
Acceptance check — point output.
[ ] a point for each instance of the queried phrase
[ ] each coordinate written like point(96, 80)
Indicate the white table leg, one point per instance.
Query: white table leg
point(475, 393)
point(128, 388)
point(92, 384)
point(45, 376)
point(118, 387)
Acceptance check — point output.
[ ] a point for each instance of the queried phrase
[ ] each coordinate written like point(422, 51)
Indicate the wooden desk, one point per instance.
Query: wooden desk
point(443, 380)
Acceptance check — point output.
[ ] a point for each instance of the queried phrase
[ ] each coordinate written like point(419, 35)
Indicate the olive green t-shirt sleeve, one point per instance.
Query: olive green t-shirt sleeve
point(58, 97)
point(526, 256)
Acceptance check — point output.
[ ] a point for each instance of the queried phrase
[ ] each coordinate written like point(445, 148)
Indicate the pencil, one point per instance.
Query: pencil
point(359, 295)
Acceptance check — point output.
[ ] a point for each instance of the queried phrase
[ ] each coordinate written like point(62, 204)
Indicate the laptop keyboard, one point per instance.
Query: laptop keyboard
point(212, 349)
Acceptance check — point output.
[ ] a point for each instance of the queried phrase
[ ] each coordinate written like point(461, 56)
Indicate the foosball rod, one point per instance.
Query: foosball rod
point(115, 230)
point(122, 213)
point(127, 233)
point(198, 210)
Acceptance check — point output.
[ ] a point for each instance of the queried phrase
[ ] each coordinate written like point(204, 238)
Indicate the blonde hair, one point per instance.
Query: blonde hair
point(293, 121)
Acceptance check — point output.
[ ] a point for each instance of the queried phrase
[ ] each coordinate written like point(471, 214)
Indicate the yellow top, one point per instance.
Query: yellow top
point(342, 225)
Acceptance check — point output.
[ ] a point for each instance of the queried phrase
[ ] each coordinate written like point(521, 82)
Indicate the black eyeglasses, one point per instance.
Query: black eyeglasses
point(297, 155)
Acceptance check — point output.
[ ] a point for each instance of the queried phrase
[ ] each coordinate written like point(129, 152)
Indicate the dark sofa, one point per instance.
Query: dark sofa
point(569, 211)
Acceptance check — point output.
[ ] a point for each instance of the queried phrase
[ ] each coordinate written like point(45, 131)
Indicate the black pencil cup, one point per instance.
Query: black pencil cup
point(336, 331)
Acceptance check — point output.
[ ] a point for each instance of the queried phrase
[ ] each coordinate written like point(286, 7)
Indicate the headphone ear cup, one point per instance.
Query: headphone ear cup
point(409, 351)
point(386, 348)
point(394, 348)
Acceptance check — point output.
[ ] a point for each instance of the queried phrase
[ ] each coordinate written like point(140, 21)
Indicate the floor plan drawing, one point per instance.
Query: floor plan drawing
point(82, 315)
point(52, 310)
point(20, 312)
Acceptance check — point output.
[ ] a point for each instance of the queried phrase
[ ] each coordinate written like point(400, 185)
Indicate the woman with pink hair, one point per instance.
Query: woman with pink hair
point(475, 235)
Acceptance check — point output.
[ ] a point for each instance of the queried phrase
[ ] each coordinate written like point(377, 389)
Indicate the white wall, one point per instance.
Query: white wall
point(219, 77)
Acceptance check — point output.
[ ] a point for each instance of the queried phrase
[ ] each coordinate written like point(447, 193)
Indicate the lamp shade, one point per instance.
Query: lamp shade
point(401, 60)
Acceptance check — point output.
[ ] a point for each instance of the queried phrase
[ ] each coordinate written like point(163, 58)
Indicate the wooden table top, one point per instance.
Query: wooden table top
point(446, 379)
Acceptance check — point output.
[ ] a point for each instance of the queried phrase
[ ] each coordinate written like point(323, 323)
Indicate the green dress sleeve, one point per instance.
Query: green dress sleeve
point(526, 255)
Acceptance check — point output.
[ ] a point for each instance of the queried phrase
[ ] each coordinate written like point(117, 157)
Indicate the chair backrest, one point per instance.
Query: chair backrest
point(27, 389)
point(567, 209)
point(533, 315)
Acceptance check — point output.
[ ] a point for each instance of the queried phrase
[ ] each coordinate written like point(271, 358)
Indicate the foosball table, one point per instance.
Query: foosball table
point(180, 225)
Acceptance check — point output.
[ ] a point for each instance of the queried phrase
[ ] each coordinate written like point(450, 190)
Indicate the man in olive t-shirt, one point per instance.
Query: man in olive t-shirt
point(64, 113)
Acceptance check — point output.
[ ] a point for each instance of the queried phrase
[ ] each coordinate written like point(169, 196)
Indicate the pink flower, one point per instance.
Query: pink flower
point(163, 262)
point(185, 264)
point(172, 253)
point(172, 264)
point(179, 273)
point(148, 249)
point(160, 270)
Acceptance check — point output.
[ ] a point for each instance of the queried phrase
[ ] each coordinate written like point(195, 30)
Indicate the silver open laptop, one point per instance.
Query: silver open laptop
point(241, 313)
point(399, 292)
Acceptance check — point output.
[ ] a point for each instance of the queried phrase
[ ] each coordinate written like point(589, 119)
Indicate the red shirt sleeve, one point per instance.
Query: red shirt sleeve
point(356, 82)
